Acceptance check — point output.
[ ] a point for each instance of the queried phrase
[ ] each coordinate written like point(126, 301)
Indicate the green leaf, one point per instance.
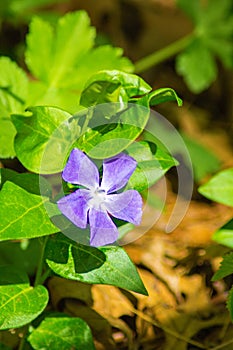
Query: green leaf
point(197, 66)
point(22, 214)
point(105, 265)
point(7, 134)
point(226, 267)
point(32, 183)
point(151, 166)
point(209, 162)
point(44, 137)
point(224, 235)
point(164, 95)
point(95, 60)
point(110, 137)
point(191, 8)
point(19, 302)
point(112, 86)
point(230, 303)
point(62, 333)
point(73, 37)
point(219, 188)
point(13, 95)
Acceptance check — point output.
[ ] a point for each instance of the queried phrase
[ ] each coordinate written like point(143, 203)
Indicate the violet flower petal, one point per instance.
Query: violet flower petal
point(117, 171)
point(80, 170)
point(102, 230)
point(126, 206)
point(75, 207)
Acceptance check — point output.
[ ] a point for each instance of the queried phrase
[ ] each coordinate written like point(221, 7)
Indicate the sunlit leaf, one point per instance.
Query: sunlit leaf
point(44, 138)
point(224, 235)
point(105, 265)
point(226, 267)
point(19, 302)
point(151, 165)
point(220, 187)
point(23, 214)
point(62, 333)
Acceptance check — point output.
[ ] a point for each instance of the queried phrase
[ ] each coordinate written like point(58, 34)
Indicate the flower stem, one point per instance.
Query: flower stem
point(163, 54)
point(41, 262)
point(38, 280)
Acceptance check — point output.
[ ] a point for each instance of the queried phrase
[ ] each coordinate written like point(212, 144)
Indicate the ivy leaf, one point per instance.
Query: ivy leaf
point(44, 138)
point(23, 214)
point(197, 66)
point(112, 86)
point(219, 188)
point(226, 267)
point(62, 333)
point(230, 303)
point(163, 95)
point(19, 302)
point(111, 137)
point(151, 166)
point(13, 95)
point(224, 235)
point(105, 265)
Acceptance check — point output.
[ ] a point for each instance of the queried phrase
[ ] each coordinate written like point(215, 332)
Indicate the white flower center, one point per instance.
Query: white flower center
point(97, 200)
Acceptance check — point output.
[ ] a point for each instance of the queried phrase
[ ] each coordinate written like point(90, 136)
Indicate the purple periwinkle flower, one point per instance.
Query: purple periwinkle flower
point(96, 202)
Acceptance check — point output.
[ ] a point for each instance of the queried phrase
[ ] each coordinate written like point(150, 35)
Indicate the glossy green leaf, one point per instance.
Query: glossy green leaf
point(226, 267)
point(224, 235)
point(219, 188)
point(163, 95)
point(13, 95)
point(23, 214)
point(62, 333)
point(230, 303)
point(197, 66)
point(151, 165)
point(110, 137)
point(105, 265)
point(44, 138)
point(112, 86)
point(19, 302)
point(209, 163)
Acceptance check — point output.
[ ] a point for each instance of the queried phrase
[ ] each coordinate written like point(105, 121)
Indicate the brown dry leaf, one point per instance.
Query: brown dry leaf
point(61, 288)
point(109, 301)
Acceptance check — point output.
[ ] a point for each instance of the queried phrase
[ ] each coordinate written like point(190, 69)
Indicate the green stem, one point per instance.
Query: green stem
point(38, 280)
point(12, 94)
point(161, 55)
point(40, 263)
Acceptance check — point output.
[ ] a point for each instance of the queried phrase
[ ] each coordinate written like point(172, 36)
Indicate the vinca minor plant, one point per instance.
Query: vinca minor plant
point(74, 123)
